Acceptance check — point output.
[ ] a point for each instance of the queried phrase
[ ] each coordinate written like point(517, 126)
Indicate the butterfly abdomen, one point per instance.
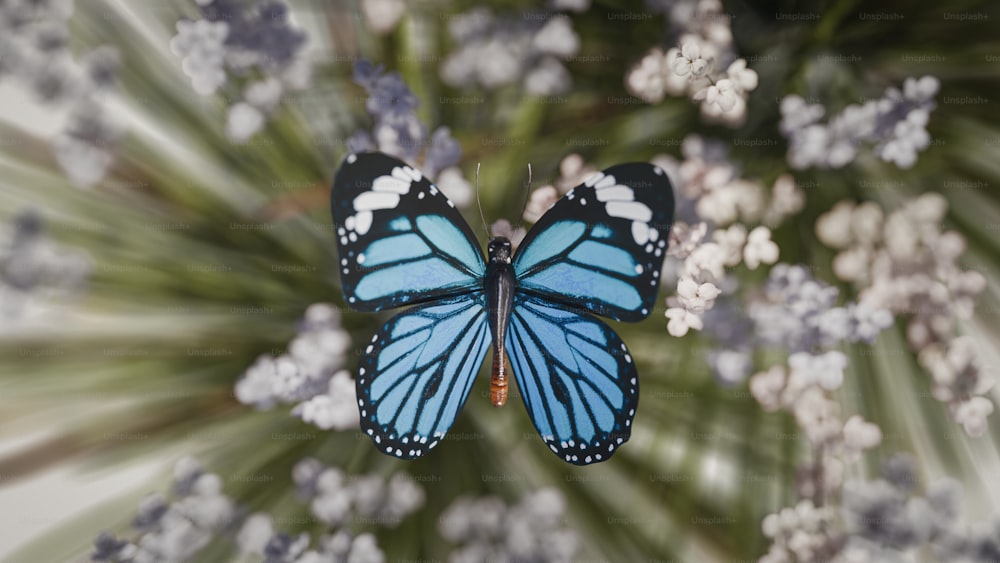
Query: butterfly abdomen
point(500, 282)
point(498, 382)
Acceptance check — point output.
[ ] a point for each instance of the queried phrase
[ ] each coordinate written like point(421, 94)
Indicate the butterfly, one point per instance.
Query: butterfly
point(597, 251)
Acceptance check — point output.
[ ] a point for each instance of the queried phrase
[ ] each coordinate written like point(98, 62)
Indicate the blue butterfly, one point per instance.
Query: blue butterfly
point(598, 250)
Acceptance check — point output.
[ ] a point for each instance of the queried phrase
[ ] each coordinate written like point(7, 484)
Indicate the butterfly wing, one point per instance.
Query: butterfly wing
point(400, 240)
point(602, 246)
point(576, 377)
point(417, 372)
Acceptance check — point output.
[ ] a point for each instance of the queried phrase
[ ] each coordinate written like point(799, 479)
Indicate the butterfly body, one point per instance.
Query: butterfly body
point(597, 251)
point(500, 283)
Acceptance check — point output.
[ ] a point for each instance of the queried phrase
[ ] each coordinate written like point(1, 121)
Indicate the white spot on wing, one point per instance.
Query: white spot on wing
point(363, 222)
point(390, 184)
point(369, 201)
point(589, 182)
point(634, 210)
point(605, 182)
point(616, 192)
point(352, 158)
point(640, 232)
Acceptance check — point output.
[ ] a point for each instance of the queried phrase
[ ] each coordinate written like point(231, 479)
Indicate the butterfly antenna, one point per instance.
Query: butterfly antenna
point(527, 194)
point(480, 205)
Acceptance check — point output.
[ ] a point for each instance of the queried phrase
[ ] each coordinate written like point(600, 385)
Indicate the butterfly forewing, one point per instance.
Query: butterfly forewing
point(400, 240)
point(601, 247)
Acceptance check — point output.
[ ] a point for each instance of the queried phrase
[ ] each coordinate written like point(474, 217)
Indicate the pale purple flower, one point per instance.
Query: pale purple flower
point(493, 52)
point(336, 409)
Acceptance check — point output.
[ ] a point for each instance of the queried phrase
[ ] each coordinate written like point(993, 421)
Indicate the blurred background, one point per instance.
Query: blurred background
point(177, 365)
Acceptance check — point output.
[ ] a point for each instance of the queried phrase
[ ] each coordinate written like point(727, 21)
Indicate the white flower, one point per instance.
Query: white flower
point(694, 297)
point(539, 202)
point(557, 38)
point(922, 90)
point(721, 94)
point(264, 94)
point(451, 182)
point(742, 78)
point(860, 435)
point(645, 79)
point(682, 320)
point(684, 238)
point(201, 44)
point(853, 264)
point(707, 259)
point(796, 114)
point(972, 415)
point(760, 249)
point(690, 62)
point(243, 122)
point(731, 241)
point(84, 163)
point(547, 78)
point(383, 15)
point(767, 387)
point(825, 370)
point(364, 549)
point(833, 228)
point(255, 533)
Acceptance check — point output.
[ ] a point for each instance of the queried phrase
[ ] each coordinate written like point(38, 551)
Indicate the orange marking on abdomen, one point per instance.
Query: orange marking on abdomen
point(498, 383)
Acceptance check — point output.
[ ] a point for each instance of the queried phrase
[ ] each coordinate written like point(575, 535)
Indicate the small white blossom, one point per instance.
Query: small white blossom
point(760, 249)
point(861, 435)
point(682, 320)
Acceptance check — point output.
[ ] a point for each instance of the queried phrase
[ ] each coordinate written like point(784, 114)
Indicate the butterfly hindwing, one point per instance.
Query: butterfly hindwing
point(400, 240)
point(576, 377)
point(601, 246)
point(417, 372)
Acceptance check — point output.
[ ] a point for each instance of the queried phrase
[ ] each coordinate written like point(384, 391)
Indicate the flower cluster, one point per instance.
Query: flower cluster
point(904, 262)
point(34, 269)
point(799, 313)
point(714, 207)
point(34, 47)
point(887, 519)
point(399, 132)
point(695, 68)
point(197, 512)
point(337, 501)
point(234, 40)
point(708, 187)
point(487, 529)
point(803, 387)
point(173, 529)
point(895, 126)
point(802, 533)
point(494, 51)
point(310, 374)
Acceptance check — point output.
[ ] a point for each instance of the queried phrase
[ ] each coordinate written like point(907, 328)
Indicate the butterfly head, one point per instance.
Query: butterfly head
point(500, 250)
